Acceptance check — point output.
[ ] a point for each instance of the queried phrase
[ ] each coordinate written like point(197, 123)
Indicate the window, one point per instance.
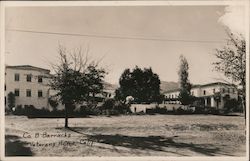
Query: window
point(28, 78)
point(213, 90)
point(5, 87)
point(228, 90)
point(16, 92)
point(204, 92)
point(233, 90)
point(28, 93)
point(17, 77)
point(223, 90)
point(40, 79)
point(40, 93)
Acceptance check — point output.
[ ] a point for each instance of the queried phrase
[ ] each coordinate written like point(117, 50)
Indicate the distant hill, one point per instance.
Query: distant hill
point(166, 86)
point(109, 86)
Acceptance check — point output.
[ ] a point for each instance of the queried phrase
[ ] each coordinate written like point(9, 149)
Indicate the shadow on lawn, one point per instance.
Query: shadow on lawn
point(156, 143)
point(15, 147)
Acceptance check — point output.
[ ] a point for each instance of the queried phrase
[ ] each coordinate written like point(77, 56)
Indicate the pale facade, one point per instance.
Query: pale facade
point(29, 84)
point(212, 94)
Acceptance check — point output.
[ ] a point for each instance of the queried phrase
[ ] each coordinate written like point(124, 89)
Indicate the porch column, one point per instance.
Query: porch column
point(205, 99)
point(212, 102)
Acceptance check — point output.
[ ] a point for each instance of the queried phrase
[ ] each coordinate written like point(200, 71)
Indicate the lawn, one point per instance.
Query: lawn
point(135, 135)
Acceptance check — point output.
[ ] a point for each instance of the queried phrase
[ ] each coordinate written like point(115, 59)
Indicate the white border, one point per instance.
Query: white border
point(2, 68)
point(117, 3)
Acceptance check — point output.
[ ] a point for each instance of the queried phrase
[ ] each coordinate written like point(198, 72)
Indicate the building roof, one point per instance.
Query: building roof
point(27, 67)
point(200, 86)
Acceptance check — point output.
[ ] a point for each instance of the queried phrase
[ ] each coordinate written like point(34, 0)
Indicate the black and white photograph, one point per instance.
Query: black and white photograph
point(125, 80)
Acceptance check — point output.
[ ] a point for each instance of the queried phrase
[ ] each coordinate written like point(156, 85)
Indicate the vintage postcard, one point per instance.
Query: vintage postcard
point(125, 80)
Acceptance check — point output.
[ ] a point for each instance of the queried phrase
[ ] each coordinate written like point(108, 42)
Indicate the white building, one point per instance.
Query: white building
point(212, 94)
point(29, 84)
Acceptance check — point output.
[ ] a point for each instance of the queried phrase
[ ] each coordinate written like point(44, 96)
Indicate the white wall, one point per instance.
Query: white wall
point(23, 85)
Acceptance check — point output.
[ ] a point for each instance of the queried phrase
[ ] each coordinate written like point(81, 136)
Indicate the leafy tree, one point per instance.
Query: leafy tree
point(185, 86)
point(142, 84)
point(75, 79)
point(11, 100)
point(232, 63)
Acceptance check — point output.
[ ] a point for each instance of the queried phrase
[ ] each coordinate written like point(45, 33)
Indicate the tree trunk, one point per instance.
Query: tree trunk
point(66, 115)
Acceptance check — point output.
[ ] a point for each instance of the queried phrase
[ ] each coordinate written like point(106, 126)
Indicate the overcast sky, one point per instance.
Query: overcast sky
point(194, 24)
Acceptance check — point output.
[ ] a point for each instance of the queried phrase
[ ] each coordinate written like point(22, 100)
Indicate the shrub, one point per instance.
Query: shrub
point(108, 104)
point(231, 105)
point(121, 107)
point(53, 103)
point(11, 101)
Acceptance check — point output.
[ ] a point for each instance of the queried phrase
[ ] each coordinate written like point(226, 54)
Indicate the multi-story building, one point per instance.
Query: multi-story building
point(212, 94)
point(29, 84)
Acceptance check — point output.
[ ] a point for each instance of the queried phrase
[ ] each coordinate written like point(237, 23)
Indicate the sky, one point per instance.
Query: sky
point(196, 30)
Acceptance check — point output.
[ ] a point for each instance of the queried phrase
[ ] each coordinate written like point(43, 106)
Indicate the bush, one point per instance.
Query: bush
point(121, 107)
point(53, 103)
point(89, 109)
point(11, 101)
point(108, 104)
point(231, 105)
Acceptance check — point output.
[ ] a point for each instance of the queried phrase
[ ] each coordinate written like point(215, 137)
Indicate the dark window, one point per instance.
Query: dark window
point(5, 100)
point(40, 79)
point(17, 77)
point(228, 90)
point(40, 93)
point(204, 92)
point(16, 92)
point(233, 90)
point(28, 78)
point(5, 87)
point(213, 90)
point(223, 90)
point(28, 93)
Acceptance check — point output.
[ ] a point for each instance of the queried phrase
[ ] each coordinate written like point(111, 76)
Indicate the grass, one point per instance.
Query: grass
point(142, 135)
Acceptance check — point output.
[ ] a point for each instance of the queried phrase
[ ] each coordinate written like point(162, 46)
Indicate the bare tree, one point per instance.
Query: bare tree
point(232, 63)
point(76, 78)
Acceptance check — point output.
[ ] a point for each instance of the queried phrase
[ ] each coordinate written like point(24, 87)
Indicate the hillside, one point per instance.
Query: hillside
point(165, 86)
point(109, 86)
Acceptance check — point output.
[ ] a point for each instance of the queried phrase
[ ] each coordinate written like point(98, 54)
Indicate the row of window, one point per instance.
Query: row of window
point(28, 93)
point(204, 92)
point(172, 96)
point(28, 78)
point(223, 90)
